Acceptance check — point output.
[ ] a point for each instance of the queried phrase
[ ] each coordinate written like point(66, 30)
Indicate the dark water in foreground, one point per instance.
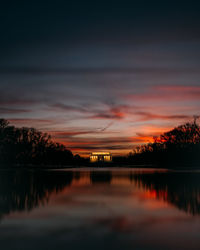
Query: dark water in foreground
point(99, 209)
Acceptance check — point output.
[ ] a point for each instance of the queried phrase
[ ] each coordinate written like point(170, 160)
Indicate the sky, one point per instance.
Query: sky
point(100, 75)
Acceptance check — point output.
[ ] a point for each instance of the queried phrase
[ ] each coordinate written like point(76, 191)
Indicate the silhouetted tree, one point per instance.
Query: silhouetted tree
point(179, 145)
point(30, 146)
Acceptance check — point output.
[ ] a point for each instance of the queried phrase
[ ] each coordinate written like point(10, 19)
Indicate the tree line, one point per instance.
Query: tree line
point(30, 146)
point(180, 145)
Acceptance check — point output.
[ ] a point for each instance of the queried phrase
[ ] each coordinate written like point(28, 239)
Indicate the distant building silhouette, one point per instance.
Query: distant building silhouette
point(100, 157)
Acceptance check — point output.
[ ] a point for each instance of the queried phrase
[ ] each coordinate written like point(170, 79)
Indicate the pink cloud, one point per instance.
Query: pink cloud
point(167, 93)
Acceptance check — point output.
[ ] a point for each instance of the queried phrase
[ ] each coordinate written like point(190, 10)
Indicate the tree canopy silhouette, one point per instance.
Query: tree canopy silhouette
point(30, 146)
point(179, 145)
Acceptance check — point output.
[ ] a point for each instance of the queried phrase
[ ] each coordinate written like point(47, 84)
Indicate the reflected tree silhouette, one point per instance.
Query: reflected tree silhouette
point(179, 189)
point(25, 190)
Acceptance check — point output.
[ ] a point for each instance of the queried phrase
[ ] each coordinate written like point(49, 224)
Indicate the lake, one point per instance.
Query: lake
point(94, 208)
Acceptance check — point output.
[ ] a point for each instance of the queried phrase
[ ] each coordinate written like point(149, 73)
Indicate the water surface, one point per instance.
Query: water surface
point(100, 209)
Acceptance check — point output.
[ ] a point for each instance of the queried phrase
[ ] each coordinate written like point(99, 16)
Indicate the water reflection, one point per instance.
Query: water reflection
point(25, 190)
point(179, 189)
point(101, 177)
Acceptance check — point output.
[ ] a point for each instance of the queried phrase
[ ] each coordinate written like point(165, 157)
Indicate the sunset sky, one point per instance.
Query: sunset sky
point(100, 75)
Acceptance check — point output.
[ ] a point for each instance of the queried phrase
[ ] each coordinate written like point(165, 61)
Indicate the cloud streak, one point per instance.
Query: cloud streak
point(95, 70)
point(147, 116)
point(167, 93)
point(13, 111)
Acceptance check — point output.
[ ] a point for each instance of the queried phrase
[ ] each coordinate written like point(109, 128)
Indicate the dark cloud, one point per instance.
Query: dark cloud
point(73, 132)
point(13, 111)
point(105, 115)
point(9, 101)
point(109, 112)
point(166, 93)
point(99, 142)
point(100, 147)
point(96, 71)
point(147, 116)
point(107, 126)
point(29, 120)
point(118, 112)
point(68, 134)
point(64, 107)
